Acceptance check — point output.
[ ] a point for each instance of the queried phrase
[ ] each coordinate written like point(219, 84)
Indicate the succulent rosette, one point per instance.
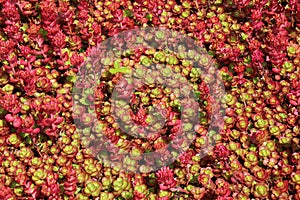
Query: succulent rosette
point(114, 100)
point(148, 99)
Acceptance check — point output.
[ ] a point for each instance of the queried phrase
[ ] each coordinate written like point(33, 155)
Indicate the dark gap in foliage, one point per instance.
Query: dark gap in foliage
point(210, 195)
point(206, 46)
point(35, 152)
point(178, 2)
point(283, 3)
point(241, 160)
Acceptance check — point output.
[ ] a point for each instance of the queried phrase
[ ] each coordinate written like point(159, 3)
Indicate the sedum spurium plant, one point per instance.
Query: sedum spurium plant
point(256, 48)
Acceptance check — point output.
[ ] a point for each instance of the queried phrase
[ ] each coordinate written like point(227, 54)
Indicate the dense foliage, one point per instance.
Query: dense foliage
point(255, 44)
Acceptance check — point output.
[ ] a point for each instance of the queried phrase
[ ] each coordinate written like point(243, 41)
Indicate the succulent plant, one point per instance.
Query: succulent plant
point(255, 46)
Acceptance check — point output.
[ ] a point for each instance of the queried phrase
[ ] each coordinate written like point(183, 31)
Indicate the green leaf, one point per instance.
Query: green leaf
point(84, 102)
point(197, 94)
point(124, 70)
point(149, 16)
point(43, 32)
point(117, 64)
point(128, 13)
point(24, 27)
point(71, 79)
point(255, 80)
point(113, 71)
point(13, 184)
